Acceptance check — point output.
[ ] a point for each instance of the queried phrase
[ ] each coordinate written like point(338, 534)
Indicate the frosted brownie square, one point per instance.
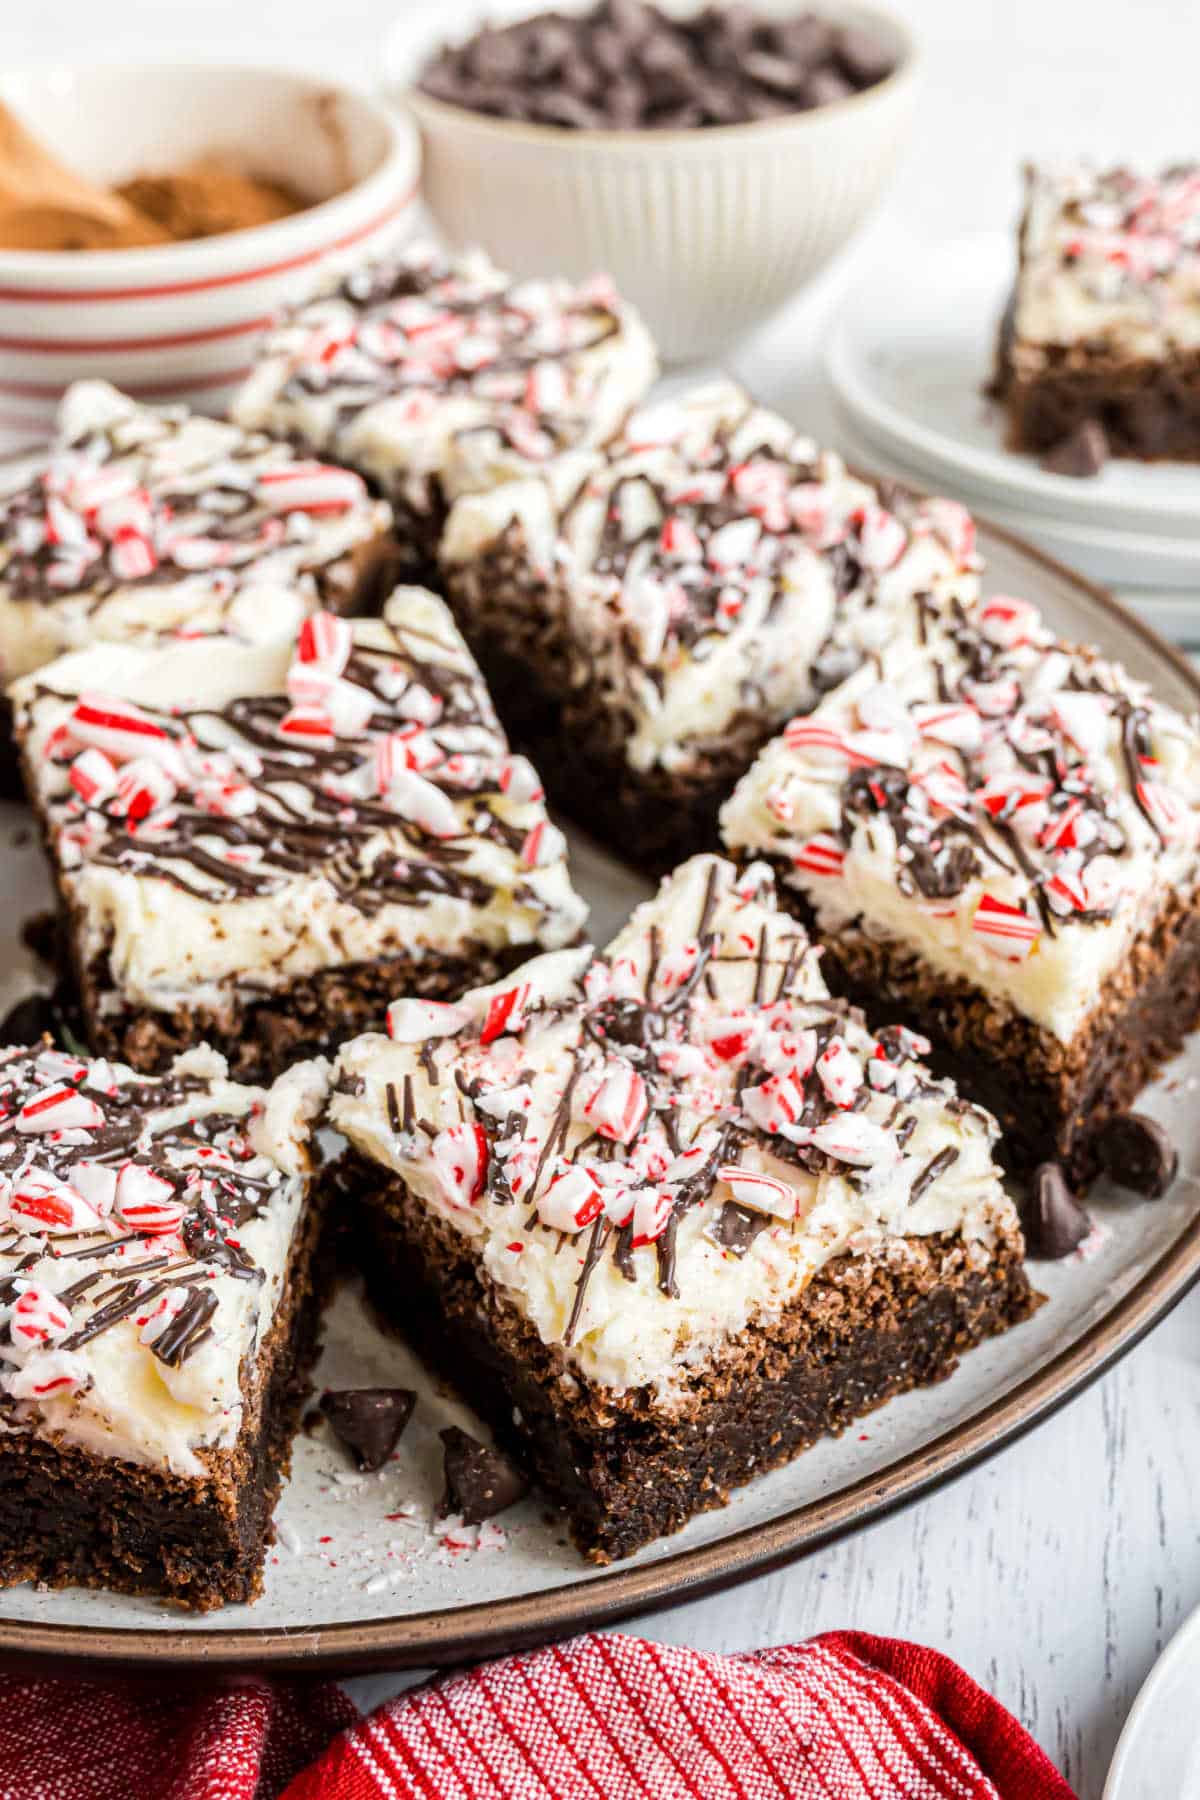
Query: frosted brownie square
point(648, 616)
point(1002, 846)
point(258, 845)
point(158, 1312)
point(435, 376)
point(668, 1213)
point(1103, 327)
point(147, 523)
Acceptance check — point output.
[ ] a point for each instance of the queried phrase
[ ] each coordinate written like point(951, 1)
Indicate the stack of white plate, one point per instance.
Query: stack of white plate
point(908, 361)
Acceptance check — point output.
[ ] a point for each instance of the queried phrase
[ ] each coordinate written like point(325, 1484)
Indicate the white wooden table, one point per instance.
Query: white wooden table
point(1055, 1573)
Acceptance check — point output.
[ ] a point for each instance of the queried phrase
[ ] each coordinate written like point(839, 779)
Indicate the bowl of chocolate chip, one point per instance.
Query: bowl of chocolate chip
point(711, 162)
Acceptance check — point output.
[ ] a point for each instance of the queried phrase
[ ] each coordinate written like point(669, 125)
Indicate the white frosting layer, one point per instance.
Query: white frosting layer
point(445, 862)
point(1009, 749)
point(1109, 261)
point(431, 374)
point(151, 522)
point(603, 1070)
point(715, 569)
point(112, 1394)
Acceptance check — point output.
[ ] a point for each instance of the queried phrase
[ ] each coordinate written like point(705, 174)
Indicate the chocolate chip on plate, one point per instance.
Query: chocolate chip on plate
point(625, 65)
point(480, 1481)
point(1082, 453)
point(1053, 1220)
point(368, 1421)
point(1135, 1151)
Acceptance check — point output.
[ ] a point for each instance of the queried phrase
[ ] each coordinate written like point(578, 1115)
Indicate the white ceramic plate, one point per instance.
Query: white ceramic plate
point(909, 359)
point(1158, 1753)
point(351, 1584)
point(1105, 553)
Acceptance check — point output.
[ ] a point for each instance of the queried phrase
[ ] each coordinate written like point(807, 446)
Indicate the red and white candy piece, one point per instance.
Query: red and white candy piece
point(776, 1104)
point(519, 780)
point(120, 728)
point(679, 541)
point(1008, 622)
point(882, 539)
point(822, 743)
point(820, 855)
point(143, 786)
point(572, 1200)
point(131, 554)
point(59, 1108)
point(327, 640)
point(38, 1317)
point(460, 1157)
point(226, 799)
point(1007, 792)
point(167, 1307)
point(732, 546)
point(544, 844)
point(39, 1201)
point(957, 725)
point(307, 726)
point(311, 487)
point(759, 1191)
point(1067, 892)
point(1006, 930)
point(952, 523)
point(97, 1182)
point(994, 699)
point(617, 1104)
point(48, 1373)
point(505, 1012)
point(419, 1021)
point(1086, 719)
point(1168, 814)
point(839, 1072)
point(92, 776)
point(146, 1202)
point(651, 1214)
point(854, 1139)
point(422, 804)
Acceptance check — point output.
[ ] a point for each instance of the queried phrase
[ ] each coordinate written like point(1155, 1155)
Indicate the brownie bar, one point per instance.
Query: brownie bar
point(1002, 842)
point(1048, 1097)
point(672, 1212)
point(435, 377)
point(257, 847)
point(1103, 325)
point(150, 523)
point(160, 1288)
point(68, 1518)
point(623, 1474)
point(650, 615)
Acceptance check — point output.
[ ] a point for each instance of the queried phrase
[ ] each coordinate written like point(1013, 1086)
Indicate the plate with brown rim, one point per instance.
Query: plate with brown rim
point(361, 1576)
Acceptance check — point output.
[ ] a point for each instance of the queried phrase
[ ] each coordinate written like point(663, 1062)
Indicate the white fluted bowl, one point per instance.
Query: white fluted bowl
point(708, 231)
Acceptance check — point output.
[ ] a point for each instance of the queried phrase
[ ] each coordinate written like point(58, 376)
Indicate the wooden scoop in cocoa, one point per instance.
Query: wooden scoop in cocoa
point(45, 206)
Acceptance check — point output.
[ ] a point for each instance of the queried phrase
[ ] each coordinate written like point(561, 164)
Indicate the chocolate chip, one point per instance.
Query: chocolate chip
point(1082, 453)
point(368, 1420)
point(480, 1481)
point(30, 1020)
point(1136, 1153)
point(630, 66)
point(1054, 1222)
point(863, 57)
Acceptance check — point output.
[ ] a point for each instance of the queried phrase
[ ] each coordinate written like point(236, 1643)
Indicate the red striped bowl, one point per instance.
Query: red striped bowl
point(184, 321)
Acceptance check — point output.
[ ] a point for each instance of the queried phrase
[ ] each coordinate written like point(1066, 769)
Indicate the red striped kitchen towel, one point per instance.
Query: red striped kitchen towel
point(842, 1717)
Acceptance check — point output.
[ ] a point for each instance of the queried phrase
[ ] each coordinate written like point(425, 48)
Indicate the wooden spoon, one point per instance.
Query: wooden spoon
point(46, 206)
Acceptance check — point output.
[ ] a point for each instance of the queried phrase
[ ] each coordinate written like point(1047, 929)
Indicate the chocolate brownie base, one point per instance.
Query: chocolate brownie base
point(624, 1471)
point(69, 1518)
point(1148, 408)
point(262, 1036)
point(540, 684)
point(1047, 1095)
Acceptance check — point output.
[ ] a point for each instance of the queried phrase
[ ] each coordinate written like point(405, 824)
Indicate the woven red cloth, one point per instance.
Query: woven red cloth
point(843, 1717)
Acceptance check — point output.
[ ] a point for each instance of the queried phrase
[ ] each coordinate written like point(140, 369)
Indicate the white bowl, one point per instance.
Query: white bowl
point(708, 231)
point(182, 321)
